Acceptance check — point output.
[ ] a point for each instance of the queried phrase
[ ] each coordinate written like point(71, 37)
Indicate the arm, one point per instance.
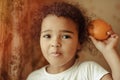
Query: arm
point(108, 49)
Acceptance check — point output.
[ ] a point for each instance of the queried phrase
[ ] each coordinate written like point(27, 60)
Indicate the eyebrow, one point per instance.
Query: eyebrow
point(65, 31)
point(45, 31)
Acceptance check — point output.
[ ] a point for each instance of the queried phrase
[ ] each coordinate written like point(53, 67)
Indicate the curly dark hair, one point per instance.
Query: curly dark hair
point(66, 10)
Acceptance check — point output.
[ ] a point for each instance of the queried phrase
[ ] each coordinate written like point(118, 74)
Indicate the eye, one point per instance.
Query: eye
point(47, 36)
point(66, 36)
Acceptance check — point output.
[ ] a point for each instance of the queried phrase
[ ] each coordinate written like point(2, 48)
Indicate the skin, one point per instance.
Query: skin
point(109, 50)
point(59, 43)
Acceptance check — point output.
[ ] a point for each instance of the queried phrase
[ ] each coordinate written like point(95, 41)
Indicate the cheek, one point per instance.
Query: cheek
point(44, 49)
point(71, 46)
point(43, 45)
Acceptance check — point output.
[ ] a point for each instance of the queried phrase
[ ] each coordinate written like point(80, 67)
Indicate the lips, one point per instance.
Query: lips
point(56, 54)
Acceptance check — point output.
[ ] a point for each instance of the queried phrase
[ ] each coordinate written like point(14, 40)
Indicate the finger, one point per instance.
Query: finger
point(114, 39)
point(110, 32)
point(114, 36)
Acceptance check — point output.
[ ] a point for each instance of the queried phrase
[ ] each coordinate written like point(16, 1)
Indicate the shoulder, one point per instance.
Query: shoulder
point(92, 66)
point(93, 70)
point(87, 64)
point(86, 67)
point(35, 74)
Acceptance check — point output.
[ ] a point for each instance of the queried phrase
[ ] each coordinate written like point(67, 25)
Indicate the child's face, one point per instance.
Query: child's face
point(58, 40)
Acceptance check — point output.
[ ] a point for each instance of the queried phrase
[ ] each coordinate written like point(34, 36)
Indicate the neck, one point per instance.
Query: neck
point(57, 69)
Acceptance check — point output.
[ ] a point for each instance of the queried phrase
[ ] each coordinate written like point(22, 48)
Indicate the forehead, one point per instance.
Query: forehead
point(57, 23)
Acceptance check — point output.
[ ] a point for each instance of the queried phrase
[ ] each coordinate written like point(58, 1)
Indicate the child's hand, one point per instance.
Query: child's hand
point(106, 45)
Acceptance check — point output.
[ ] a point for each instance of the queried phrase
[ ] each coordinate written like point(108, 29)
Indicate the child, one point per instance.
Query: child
point(63, 31)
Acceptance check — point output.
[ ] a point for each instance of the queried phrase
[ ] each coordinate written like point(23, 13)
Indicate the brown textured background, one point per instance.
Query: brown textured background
point(19, 46)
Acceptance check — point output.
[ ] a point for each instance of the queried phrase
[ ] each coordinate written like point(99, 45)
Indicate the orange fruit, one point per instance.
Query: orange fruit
point(98, 29)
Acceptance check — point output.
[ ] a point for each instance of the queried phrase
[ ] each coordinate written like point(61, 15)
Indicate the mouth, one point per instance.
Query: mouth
point(56, 54)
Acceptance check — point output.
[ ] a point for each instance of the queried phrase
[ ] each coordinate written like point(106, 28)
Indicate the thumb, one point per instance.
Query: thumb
point(93, 39)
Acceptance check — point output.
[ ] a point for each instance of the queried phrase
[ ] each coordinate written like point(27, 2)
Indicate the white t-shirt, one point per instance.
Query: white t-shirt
point(88, 70)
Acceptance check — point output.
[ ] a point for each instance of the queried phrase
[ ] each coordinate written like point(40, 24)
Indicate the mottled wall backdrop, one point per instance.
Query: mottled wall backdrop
point(19, 44)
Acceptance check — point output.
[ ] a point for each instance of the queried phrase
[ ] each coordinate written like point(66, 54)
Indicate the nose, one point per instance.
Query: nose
point(55, 43)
